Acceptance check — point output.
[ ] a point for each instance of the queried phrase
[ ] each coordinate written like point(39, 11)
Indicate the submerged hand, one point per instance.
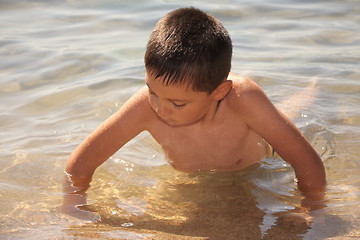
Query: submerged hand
point(314, 197)
point(313, 204)
point(72, 204)
point(74, 197)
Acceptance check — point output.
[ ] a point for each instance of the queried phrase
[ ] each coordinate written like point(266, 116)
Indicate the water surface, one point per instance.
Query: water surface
point(65, 66)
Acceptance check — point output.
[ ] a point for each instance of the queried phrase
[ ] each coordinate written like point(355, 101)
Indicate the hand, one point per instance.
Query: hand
point(74, 197)
point(72, 204)
point(313, 204)
point(314, 197)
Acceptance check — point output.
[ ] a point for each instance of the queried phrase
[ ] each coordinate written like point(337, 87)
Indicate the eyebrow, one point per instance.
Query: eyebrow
point(174, 100)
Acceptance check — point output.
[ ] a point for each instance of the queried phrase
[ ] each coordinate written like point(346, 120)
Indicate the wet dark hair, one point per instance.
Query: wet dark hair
point(188, 46)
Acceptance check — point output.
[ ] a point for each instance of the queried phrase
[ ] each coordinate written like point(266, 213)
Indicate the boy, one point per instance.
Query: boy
point(203, 116)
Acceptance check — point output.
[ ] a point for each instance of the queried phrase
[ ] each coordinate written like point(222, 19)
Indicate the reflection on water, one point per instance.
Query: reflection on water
point(65, 66)
point(204, 205)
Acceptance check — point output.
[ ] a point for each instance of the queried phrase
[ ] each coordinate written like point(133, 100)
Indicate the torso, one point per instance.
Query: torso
point(225, 144)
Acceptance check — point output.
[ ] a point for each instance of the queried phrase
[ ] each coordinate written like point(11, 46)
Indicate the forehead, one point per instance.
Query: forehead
point(171, 91)
point(166, 80)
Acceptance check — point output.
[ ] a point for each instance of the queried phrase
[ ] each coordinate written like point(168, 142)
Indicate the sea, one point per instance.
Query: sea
point(67, 65)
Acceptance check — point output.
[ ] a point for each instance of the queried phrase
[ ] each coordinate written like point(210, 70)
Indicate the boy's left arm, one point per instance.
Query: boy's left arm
point(265, 119)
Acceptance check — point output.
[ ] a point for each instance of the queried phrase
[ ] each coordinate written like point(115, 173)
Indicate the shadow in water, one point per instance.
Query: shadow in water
point(193, 206)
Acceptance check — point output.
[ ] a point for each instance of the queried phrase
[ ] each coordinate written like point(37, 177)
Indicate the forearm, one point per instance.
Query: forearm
point(307, 164)
point(74, 192)
point(79, 170)
point(90, 154)
point(311, 180)
point(309, 170)
point(74, 196)
point(75, 185)
point(80, 165)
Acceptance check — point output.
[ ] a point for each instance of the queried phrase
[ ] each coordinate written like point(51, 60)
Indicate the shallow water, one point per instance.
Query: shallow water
point(65, 66)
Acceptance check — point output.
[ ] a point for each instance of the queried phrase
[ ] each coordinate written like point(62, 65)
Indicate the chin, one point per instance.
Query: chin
point(174, 123)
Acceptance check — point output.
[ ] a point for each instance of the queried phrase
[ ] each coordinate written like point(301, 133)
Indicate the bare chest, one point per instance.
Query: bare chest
point(225, 147)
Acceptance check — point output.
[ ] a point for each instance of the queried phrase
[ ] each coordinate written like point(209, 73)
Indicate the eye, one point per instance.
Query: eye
point(179, 105)
point(151, 92)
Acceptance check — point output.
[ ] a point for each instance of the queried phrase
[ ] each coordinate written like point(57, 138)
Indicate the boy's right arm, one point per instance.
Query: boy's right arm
point(111, 135)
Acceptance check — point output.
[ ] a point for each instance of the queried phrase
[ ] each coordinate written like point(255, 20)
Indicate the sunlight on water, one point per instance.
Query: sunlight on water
point(68, 65)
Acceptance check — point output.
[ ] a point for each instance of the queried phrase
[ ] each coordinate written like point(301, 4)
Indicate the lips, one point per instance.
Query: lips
point(171, 122)
point(167, 121)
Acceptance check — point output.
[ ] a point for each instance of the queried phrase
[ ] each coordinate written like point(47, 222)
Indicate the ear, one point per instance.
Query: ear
point(222, 90)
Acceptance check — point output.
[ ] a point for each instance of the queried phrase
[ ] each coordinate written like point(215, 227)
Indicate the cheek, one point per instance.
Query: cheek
point(191, 114)
point(200, 110)
point(152, 101)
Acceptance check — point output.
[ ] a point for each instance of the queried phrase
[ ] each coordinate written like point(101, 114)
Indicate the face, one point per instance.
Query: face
point(178, 105)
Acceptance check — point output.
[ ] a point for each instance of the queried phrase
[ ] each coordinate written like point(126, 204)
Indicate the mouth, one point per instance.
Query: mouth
point(165, 120)
point(170, 122)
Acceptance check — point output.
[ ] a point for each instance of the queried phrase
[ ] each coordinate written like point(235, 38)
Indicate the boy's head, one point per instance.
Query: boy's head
point(189, 47)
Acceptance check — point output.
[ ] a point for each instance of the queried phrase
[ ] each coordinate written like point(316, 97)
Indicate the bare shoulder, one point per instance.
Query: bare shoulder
point(137, 110)
point(138, 98)
point(245, 93)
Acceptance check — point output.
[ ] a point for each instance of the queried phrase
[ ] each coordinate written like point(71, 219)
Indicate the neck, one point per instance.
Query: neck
point(213, 110)
point(211, 114)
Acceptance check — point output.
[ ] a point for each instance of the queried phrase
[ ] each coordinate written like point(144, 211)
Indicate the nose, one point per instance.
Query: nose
point(161, 110)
